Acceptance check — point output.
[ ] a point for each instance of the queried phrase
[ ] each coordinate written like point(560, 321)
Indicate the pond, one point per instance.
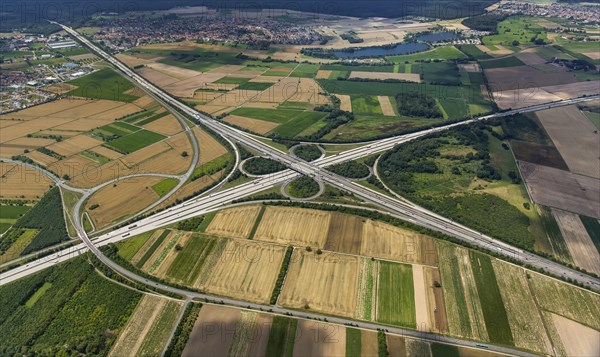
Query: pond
point(399, 49)
point(437, 37)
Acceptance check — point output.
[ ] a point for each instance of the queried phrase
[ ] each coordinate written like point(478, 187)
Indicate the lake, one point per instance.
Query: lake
point(399, 49)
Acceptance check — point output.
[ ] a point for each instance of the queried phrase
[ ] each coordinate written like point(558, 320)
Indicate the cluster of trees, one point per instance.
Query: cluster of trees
point(417, 105)
point(263, 166)
point(303, 187)
point(485, 22)
point(282, 273)
point(351, 37)
point(191, 224)
point(183, 331)
point(350, 169)
point(307, 152)
point(49, 152)
point(46, 217)
point(335, 118)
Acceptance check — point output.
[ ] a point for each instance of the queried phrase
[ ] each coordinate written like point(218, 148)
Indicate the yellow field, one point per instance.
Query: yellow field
point(106, 152)
point(256, 125)
point(190, 188)
point(145, 154)
point(74, 145)
point(386, 106)
point(126, 198)
point(234, 222)
point(345, 102)
point(210, 148)
point(18, 146)
point(525, 321)
point(327, 283)
point(290, 225)
point(323, 74)
point(388, 242)
point(19, 182)
point(166, 125)
point(40, 158)
point(409, 77)
point(245, 270)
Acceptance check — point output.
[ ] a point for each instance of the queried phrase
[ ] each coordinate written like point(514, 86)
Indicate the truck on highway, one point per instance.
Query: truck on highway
point(132, 227)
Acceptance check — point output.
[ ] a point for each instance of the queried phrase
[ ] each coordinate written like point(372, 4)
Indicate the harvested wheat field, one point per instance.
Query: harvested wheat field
point(148, 329)
point(519, 98)
point(396, 345)
point(409, 77)
point(44, 109)
point(74, 145)
point(580, 245)
point(116, 113)
point(573, 134)
point(126, 198)
point(206, 96)
point(191, 189)
point(187, 87)
point(20, 182)
point(106, 152)
point(212, 334)
point(423, 322)
point(530, 58)
point(234, 222)
point(345, 102)
point(463, 308)
point(368, 343)
point(386, 106)
point(174, 71)
point(40, 158)
point(499, 51)
point(524, 318)
point(265, 79)
point(294, 90)
point(435, 300)
point(131, 61)
point(167, 125)
point(388, 242)
point(300, 227)
point(577, 339)
point(326, 283)
point(245, 270)
point(252, 335)
point(157, 77)
point(323, 74)
point(18, 146)
point(146, 153)
point(319, 339)
point(145, 102)
point(60, 88)
point(88, 173)
point(255, 125)
point(210, 148)
point(29, 127)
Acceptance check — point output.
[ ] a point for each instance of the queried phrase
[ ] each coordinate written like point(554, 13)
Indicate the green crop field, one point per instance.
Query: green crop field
point(510, 61)
point(440, 350)
point(454, 108)
point(189, 261)
point(282, 336)
point(166, 185)
point(390, 89)
point(305, 70)
point(592, 226)
point(160, 331)
point(594, 118)
point(232, 80)
point(396, 295)
point(441, 53)
point(363, 68)
point(135, 141)
point(260, 86)
point(474, 51)
point(272, 115)
point(299, 123)
point(102, 84)
point(365, 104)
point(441, 73)
point(494, 312)
point(152, 248)
point(130, 246)
point(9, 215)
point(152, 118)
point(353, 342)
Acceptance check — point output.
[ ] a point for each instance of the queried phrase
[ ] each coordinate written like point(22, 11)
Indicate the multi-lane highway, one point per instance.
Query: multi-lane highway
point(315, 169)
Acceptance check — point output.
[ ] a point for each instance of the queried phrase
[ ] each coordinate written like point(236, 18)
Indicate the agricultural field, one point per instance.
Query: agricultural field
point(149, 327)
point(396, 300)
point(234, 222)
point(103, 84)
